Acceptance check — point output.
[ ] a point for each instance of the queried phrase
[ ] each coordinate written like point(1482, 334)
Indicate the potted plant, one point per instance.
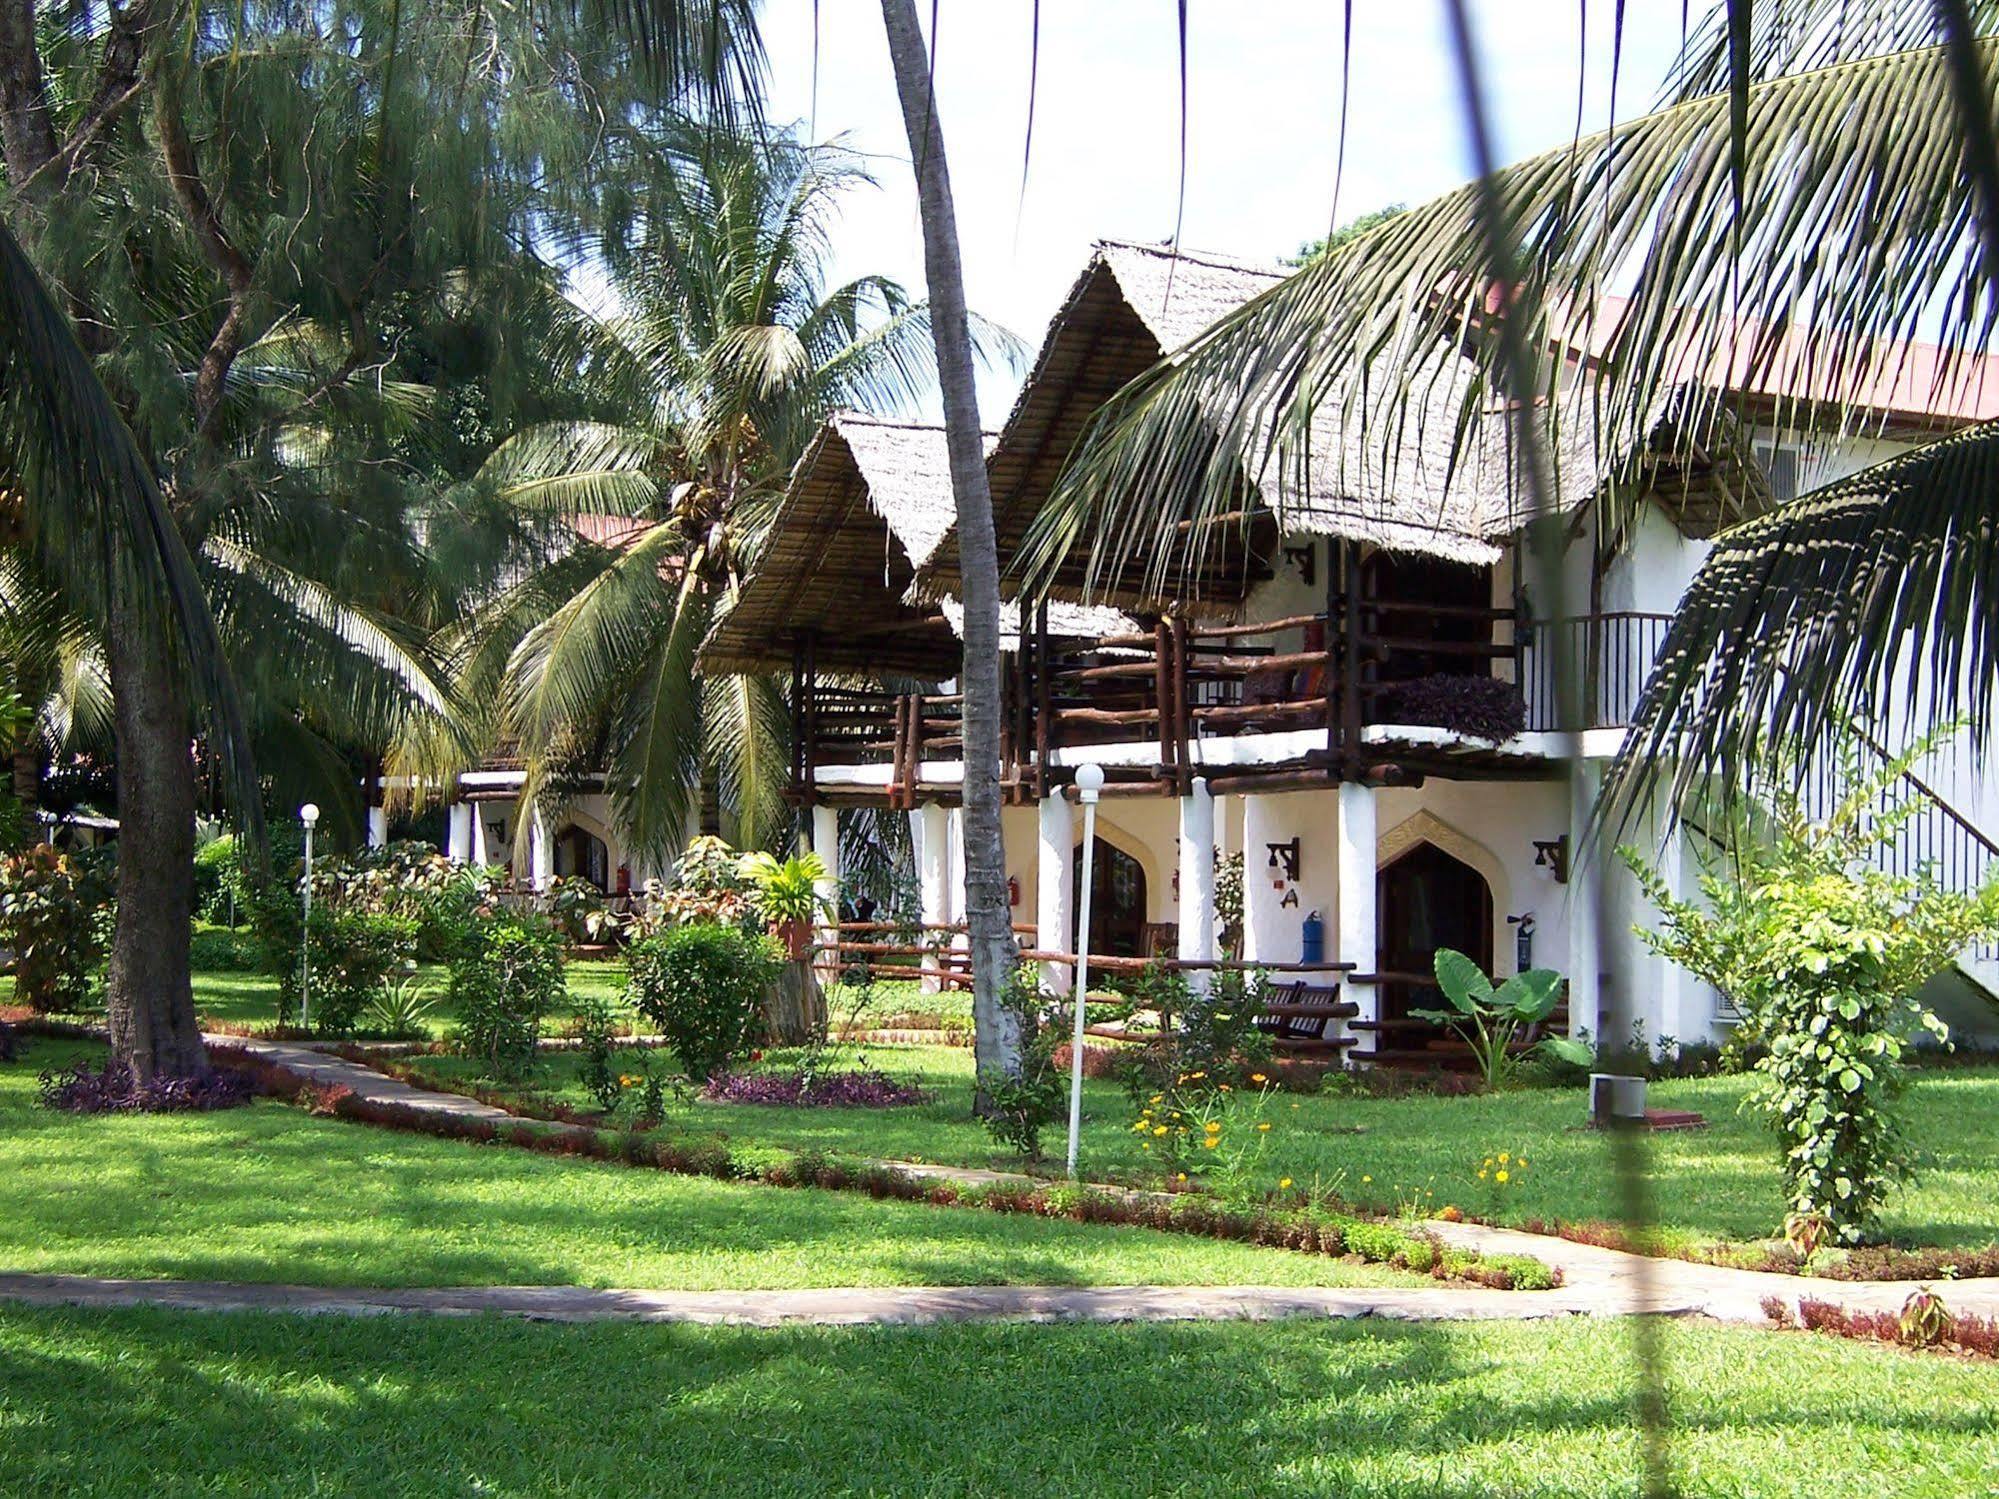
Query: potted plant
point(788, 896)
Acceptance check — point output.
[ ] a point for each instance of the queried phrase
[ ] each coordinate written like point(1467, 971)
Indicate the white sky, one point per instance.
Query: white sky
point(1263, 102)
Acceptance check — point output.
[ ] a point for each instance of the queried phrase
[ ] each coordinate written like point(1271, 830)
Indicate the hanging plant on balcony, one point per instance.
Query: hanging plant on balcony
point(1478, 707)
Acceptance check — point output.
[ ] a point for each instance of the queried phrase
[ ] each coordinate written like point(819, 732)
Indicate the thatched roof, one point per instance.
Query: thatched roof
point(1399, 476)
point(866, 506)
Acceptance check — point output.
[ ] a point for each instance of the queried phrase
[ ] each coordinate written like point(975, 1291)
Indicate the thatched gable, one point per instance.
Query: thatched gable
point(868, 503)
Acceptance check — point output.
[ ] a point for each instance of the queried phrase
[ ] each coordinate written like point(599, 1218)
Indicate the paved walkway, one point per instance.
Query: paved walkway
point(1597, 1282)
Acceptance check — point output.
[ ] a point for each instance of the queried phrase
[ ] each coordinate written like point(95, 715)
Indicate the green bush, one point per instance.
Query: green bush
point(502, 984)
point(356, 956)
point(55, 913)
point(216, 878)
point(1015, 1109)
point(703, 986)
point(219, 949)
point(1824, 956)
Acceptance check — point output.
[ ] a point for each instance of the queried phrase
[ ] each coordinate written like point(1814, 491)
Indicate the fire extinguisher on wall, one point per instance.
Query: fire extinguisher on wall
point(1312, 939)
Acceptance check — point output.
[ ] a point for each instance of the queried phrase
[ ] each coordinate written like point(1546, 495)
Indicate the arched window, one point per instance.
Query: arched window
point(1117, 902)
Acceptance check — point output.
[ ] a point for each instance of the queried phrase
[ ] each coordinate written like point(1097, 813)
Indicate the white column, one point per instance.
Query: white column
point(1054, 889)
point(482, 853)
point(458, 832)
point(541, 852)
point(1197, 877)
point(954, 880)
point(378, 827)
point(826, 844)
point(932, 824)
point(1262, 913)
point(1356, 868)
point(1585, 956)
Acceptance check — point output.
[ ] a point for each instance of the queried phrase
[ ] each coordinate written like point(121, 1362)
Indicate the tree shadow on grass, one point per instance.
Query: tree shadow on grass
point(150, 1402)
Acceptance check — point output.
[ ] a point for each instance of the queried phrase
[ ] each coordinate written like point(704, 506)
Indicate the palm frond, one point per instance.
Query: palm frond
point(1862, 156)
point(571, 468)
point(93, 513)
point(748, 734)
point(1874, 600)
point(656, 739)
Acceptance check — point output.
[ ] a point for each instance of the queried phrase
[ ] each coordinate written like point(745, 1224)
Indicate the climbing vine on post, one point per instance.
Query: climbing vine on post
point(1823, 952)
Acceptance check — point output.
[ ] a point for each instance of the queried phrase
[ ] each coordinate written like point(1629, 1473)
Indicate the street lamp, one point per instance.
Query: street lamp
point(1089, 784)
point(309, 816)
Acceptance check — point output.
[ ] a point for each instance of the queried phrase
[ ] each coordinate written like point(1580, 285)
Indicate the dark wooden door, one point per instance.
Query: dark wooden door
point(1117, 902)
point(1425, 900)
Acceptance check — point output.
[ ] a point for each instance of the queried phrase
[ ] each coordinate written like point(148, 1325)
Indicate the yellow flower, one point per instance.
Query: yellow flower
point(1181, 1177)
point(1481, 1176)
point(1263, 1128)
point(1194, 1077)
point(1210, 1143)
point(1212, 1127)
point(1258, 1077)
point(1365, 1180)
point(1285, 1182)
point(1161, 1129)
point(1502, 1158)
point(1157, 1098)
point(1499, 1176)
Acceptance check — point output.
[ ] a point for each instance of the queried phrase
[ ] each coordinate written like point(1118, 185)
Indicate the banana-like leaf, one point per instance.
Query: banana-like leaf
point(1464, 983)
point(1530, 995)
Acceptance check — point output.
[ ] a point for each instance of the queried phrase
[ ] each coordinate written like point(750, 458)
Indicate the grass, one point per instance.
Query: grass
point(113, 1403)
point(270, 1193)
point(1421, 1152)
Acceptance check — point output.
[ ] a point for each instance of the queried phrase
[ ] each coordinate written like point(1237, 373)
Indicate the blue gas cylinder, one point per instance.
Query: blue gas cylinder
point(1313, 941)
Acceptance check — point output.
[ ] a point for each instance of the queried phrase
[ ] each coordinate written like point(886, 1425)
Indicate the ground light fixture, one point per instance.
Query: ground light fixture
point(1089, 785)
point(308, 816)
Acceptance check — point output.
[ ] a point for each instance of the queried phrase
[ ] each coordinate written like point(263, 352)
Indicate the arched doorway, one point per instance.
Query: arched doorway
point(579, 851)
point(1117, 902)
point(1426, 899)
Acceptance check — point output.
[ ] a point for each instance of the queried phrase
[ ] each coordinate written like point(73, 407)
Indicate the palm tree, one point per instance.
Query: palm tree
point(242, 269)
point(1795, 208)
point(996, 1029)
point(726, 351)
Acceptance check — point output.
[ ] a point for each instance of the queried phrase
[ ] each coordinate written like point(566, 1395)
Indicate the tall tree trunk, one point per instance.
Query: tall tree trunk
point(996, 1031)
point(153, 1027)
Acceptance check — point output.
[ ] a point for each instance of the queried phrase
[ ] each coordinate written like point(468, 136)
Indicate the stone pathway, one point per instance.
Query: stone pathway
point(1597, 1282)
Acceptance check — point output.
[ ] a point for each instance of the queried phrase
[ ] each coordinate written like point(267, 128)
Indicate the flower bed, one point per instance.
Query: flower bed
point(859, 1088)
point(112, 1089)
point(1873, 1262)
point(1923, 1323)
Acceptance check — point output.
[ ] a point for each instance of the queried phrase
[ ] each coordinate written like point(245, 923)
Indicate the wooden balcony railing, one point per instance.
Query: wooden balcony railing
point(1180, 682)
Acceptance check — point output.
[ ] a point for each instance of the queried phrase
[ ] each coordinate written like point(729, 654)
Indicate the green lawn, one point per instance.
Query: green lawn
point(1382, 1154)
point(147, 1402)
point(270, 1193)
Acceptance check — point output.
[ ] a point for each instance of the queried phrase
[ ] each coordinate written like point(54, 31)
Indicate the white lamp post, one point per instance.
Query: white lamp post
point(1089, 783)
point(309, 816)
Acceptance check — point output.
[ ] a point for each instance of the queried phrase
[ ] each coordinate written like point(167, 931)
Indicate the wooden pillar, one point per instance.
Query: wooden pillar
point(1349, 747)
point(1162, 695)
point(1044, 701)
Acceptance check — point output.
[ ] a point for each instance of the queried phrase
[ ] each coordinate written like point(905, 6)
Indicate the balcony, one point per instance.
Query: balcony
point(1309, 692)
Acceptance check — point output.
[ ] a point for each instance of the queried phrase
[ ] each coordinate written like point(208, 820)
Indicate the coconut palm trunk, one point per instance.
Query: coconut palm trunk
point(148, 991)
point(996, 1030)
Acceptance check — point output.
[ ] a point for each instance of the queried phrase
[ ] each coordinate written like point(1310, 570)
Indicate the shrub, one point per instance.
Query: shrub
point(502, 986)
point(355, 958)
point(112, 1089)
point(1014, 1108)
point(401, 1012)
point(55, 912)
point(709, 889)
point(1823, 954)
point(703, 986)
point(580, 912)
point(595, 1024)
point(1216, 1041)
point(218, 949)
point(1491, 1016)
point(215, 878)
point(1480, 707)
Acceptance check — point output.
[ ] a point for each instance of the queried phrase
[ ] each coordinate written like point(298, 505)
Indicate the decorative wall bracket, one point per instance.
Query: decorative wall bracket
point(1306, 560)
point(1552, 854)
point(1285, 857)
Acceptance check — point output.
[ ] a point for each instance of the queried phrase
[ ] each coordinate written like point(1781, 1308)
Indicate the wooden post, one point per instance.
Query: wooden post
point(1183, 722)
point(1044, 702)
point(810, 753)
point(1162, 695)
point(798, 787)
point(1349, 746)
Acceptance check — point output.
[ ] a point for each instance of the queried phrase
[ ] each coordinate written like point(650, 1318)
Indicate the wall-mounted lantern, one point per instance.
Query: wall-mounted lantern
point(1285, 857)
